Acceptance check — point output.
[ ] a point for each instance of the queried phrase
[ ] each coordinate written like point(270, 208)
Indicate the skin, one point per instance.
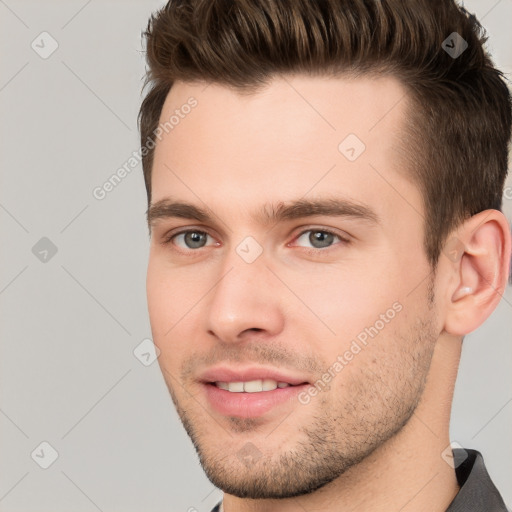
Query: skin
point(357, 444)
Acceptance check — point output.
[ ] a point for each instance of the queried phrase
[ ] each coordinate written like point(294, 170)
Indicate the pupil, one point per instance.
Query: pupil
point(320, 239)
point(194, 239)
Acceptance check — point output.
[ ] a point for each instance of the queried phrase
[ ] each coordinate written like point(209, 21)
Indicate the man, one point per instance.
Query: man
point(324, 184)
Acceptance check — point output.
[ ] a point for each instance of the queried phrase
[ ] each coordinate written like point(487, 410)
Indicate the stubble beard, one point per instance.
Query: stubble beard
point(376, 404)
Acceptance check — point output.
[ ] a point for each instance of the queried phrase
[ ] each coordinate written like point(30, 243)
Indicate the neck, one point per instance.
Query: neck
point(406, 473)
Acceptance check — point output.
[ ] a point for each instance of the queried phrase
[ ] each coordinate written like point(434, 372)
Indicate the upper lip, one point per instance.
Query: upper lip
point(227, 374)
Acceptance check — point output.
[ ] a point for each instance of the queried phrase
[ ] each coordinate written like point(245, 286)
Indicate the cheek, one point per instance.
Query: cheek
point(159, 297)
point(167, 306)
point(344, 300)
point(170, 295)
point(175, 311)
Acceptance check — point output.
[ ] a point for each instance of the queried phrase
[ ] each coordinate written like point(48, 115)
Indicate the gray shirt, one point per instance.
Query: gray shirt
point(477, 492)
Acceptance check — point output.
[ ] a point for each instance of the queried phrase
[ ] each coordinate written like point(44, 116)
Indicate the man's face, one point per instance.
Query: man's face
point(339, 302)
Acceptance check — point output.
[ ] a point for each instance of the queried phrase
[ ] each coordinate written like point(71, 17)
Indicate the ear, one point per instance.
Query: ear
point(478, 266)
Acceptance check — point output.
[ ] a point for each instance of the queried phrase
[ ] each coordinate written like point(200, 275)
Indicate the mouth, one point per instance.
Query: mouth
point(253, 398)
point(251, 391)
point(253, 386)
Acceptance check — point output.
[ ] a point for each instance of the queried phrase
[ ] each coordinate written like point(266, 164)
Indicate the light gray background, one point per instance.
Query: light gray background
point(69, 326)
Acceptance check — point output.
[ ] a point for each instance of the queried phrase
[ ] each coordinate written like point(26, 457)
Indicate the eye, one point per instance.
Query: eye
point(190, 239)
point(320, 238)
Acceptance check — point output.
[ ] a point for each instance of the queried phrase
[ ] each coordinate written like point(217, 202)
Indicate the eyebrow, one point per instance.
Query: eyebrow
point(269, 213)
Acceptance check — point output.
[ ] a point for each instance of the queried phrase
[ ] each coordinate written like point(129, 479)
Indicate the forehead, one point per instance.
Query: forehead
point(297, 136)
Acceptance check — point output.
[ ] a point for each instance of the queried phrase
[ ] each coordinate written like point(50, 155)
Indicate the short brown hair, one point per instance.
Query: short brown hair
point(456, 141)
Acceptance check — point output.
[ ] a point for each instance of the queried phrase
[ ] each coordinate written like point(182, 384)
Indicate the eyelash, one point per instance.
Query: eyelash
point(308, 250)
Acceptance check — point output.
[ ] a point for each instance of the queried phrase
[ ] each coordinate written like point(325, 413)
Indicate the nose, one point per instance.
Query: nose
point(244, 301)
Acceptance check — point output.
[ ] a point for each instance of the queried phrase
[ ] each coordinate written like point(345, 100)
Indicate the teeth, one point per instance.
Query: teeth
point(269, 385)
point(252, 386)
point(236, 387)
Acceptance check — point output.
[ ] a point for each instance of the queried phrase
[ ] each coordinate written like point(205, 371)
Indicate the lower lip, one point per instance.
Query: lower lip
point(250, 405)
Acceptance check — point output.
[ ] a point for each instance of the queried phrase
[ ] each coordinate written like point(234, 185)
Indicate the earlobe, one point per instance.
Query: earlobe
point(479, 276)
